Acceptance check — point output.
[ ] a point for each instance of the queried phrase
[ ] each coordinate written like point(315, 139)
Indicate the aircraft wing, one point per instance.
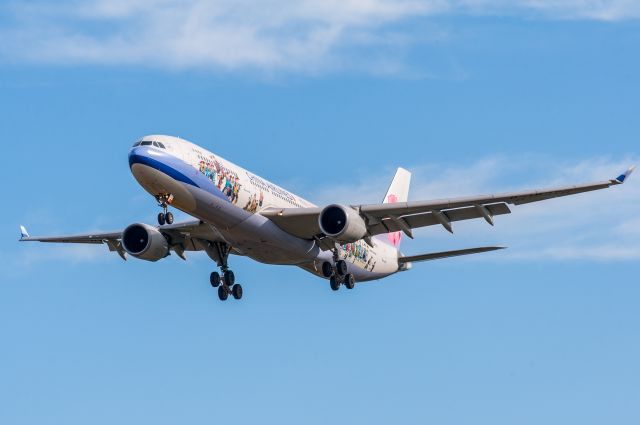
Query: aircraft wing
point(191, 235)
point(404, 216)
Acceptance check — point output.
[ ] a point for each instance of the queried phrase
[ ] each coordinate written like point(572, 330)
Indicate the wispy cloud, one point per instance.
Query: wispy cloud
point(309, 36)
point(28, 257)
point(602, 225)
point(74, 254)
point(222, 34)
point(600, 10)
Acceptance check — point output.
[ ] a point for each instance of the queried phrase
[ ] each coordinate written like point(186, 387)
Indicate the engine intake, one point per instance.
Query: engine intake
point(342, 223)
point(145, 242)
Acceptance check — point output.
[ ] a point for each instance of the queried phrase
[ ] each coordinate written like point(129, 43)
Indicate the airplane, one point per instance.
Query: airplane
point(237, 212)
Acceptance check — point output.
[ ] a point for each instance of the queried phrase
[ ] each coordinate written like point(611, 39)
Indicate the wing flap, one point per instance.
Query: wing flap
point(429, 219)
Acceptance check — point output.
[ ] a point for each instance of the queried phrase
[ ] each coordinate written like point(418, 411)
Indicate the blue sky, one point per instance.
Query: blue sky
point(325, 98)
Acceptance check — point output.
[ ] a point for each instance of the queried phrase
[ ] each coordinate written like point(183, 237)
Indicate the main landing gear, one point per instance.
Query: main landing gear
point(337, 273)
point(226, 283)
point(165, 216)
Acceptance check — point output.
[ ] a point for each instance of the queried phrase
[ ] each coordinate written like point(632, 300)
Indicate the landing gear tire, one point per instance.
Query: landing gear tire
point(223, 292)
point(334, 283)
point(169, 217)
point(229, 278)
point(161, 219)
point(236, 291)
point(341, 267)
point(349, 281)
point(214, 279)
point(327, 270)
point(226, 283)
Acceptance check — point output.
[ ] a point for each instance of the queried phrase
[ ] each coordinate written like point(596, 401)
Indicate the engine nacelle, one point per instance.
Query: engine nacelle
point(342, 223)
point(145, 242)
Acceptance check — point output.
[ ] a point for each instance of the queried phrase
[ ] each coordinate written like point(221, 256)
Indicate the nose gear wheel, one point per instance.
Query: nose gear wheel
point(166, 216)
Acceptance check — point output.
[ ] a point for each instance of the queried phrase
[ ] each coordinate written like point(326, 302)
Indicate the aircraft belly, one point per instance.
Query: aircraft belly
point(263, 241)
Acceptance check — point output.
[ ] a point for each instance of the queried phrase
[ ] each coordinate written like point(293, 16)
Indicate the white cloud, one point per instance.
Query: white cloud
point(222, 34)
point(271, 35)
point(28, 257)
point(601, 10)
point(605, 10)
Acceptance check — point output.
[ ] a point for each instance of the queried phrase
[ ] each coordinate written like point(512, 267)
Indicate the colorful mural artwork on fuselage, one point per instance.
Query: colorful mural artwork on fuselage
point(226, 180)
point(248, 190)
point(358, 253)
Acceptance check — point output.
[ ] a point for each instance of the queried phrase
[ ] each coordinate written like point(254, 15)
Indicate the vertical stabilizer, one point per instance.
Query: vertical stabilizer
point(398, 192)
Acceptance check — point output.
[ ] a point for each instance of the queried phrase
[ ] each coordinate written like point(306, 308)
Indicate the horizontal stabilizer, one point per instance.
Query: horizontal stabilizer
point(446, 254)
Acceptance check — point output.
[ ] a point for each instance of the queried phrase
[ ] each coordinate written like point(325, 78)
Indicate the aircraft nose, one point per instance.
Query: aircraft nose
point(144, 155)
point(135, 154)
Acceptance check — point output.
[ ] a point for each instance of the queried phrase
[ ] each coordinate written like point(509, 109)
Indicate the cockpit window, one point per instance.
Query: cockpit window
point(149, 143)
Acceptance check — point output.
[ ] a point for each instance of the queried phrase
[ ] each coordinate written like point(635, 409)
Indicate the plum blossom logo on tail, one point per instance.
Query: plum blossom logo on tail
point(394, 237)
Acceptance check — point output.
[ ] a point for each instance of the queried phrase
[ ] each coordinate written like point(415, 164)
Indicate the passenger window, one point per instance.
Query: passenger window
point(145, 143)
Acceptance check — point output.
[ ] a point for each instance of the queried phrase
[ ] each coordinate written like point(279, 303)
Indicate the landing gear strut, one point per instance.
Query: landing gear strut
point(226, 283)
point(337, 273)
point(165, 216)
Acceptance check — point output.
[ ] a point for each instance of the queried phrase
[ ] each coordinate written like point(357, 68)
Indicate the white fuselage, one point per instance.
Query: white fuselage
point(230, 198)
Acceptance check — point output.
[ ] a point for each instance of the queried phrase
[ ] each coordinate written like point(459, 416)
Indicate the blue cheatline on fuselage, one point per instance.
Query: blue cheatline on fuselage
point(175, 168)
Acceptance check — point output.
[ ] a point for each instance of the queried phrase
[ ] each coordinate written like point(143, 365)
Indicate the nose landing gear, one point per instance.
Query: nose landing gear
point(165, 216)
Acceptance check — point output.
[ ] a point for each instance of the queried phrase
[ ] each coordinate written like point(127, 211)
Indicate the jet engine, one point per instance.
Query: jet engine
point(342, 223)
point(145, 242)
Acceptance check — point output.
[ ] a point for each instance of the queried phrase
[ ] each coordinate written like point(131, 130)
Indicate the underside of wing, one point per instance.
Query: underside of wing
point(300, 222)
point(192, 235)
point(94, 238)
point(405, 216)
point(514, 198)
